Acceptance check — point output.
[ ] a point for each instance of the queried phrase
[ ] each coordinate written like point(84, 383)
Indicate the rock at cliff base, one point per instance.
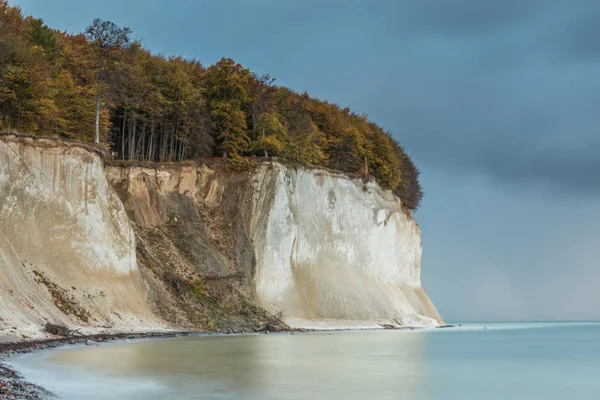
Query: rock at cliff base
point(56, 330)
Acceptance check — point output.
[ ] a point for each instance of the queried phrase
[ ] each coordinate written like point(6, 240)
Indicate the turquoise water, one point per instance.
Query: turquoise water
point(504, 361)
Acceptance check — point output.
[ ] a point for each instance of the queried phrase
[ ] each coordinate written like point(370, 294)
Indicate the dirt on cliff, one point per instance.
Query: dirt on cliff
point(192, 243)
point(116, 246)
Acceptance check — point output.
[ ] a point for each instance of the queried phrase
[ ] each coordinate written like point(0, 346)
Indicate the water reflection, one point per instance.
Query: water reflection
point(551, 361)
point(347, 365)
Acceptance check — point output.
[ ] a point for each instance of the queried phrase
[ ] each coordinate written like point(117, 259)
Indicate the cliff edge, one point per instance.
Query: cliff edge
point(125, 247)
point(335, 251)
point(67, 248)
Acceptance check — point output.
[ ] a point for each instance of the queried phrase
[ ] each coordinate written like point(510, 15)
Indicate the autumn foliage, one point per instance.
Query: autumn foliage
point(153, 108)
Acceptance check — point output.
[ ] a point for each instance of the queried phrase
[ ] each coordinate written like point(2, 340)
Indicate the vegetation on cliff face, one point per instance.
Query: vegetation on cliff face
point(98, 85)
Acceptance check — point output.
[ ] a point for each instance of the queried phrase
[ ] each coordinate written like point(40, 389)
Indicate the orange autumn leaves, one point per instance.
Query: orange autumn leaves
point(157, 108)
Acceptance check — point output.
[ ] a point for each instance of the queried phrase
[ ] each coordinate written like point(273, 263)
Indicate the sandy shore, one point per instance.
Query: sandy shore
point(14, 387)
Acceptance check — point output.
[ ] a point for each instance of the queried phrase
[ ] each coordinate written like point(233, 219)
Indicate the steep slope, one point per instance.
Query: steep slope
point(190, 226)
point(111, 246)
point(331, 251)
point(67, 250)
point(313, 247)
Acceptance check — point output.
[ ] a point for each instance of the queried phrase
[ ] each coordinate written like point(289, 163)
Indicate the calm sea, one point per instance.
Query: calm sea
point(504, 361)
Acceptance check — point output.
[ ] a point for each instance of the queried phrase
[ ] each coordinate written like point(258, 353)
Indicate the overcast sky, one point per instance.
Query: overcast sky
point(497, 102)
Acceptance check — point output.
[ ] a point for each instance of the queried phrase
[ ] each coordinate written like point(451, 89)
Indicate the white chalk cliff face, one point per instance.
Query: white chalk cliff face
point(331, 251)
point(315, 247)
point(67, 249)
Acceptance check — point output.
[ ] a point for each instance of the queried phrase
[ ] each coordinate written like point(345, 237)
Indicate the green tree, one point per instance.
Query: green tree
point(227, 95)
point(270, 134)
point(304, 147)
point(171, 109)
point(41, 35)
point(108, 40)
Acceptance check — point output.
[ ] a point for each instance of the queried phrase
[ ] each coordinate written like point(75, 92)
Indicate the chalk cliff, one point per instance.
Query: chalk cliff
point(142, 247)
point(335, 251)
point(67, 249)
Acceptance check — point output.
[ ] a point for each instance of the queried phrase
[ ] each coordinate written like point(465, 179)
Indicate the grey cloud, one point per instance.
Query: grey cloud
point(468, 17)
point(491, 95)
point(500, 87)
point(518, 102)
point(577, 37)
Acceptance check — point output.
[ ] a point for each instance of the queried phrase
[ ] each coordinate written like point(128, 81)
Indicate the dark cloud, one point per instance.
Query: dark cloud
point(466, 17)
point(484, 94)
point(509, 88)
point(577, 37)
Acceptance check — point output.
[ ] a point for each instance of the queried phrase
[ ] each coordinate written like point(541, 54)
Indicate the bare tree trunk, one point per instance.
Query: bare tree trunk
point(139, 150)
point(183, 151)
point(99, 101)
point(170, 157)
point(97, 139)
point(150, 149)
point(163, 144)
point(132, 140)
point(143, 143)
point(181, 146)
point(123, 135)
point(173, 140)
point(264, 148)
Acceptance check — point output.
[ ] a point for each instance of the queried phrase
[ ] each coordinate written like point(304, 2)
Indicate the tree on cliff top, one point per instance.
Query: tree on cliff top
point(165, 109)
point(268, 130)
point(227, 94)
point(108, 41)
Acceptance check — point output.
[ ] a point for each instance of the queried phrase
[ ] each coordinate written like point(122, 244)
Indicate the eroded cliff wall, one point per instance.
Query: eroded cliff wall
point(190, 225)
point(332, 251)
point(313, 247)
point(143, 247)
point(67, 249)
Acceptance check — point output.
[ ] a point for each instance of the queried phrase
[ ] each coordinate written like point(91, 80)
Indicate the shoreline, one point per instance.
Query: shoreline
point(14, 386)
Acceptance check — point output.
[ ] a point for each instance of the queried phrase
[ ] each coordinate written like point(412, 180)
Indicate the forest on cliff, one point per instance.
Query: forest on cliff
point(100, 85)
